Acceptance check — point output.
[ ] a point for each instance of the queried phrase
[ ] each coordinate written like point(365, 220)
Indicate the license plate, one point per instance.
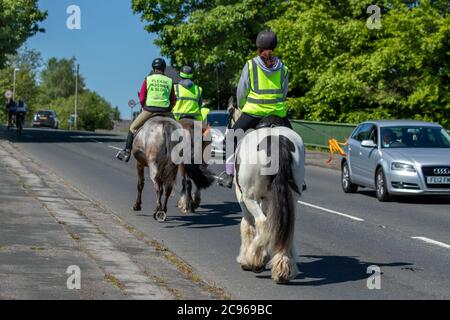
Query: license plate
point(43, 118)
point(438, 180)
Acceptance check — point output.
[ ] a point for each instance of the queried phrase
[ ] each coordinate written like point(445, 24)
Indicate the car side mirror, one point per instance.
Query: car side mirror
point(368, 144)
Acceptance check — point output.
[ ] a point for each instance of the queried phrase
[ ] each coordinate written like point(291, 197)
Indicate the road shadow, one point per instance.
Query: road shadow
point(58, 136)
point(415, 199)
point(208, 216)
point(324, 270)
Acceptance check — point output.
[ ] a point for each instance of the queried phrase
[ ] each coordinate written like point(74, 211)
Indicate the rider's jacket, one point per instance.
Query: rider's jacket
point(188, 101)
point(266, 96)
point(159, 88)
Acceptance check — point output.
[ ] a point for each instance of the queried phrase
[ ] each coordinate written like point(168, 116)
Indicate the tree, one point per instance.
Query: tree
point(343, 71)
point(94, 112)
point(215, 37)
point(116, 114)
point(58, 79)
point(19, 20)
point(28, 61)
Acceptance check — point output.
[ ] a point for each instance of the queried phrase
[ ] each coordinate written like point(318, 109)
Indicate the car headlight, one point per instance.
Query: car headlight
point(399, 166)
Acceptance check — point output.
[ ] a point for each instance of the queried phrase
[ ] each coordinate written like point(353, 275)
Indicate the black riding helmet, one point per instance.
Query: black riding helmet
point(267, 40)
point(159, 64)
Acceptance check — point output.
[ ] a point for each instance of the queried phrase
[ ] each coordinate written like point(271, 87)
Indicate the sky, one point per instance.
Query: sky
point(113, 49)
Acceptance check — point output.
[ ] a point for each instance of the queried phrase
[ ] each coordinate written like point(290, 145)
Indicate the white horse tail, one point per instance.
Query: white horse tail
point(281, 207)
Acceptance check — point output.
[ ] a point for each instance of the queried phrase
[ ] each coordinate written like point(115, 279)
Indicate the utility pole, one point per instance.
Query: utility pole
point(14, 85)
point(76, 97)
point(218, 90)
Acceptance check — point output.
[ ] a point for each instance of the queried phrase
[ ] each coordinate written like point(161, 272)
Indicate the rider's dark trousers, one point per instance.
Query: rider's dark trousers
point(246, 122)
point(10, 118)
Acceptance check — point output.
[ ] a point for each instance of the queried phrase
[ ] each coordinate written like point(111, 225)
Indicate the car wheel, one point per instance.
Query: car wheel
point(347, 184)
point(381, 186)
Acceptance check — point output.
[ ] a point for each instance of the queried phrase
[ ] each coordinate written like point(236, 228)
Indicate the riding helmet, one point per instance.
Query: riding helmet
point(186, 72)
point(267, 40)
point(159, 64)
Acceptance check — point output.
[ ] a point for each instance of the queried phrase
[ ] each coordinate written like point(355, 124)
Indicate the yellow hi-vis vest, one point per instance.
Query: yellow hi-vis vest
point(188, 102)
point(266, 97)
point(159, 89)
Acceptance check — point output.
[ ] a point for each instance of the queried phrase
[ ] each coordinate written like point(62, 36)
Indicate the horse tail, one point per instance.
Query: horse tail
point(281, 208)
point(202, 176)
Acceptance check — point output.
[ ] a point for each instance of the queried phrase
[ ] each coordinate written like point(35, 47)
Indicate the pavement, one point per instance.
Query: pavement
point(49, 229)
point(339, 237)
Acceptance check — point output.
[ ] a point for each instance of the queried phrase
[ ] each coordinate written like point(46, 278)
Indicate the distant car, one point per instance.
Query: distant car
point(45, 118)
point(218, 121)
point(397, 157)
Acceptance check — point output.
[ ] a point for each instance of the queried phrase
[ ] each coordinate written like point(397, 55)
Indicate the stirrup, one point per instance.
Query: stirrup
point(123, 155)
point(221, 179)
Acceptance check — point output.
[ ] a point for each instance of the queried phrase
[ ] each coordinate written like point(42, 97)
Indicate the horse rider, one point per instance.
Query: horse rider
point(189, 97)
point(261, 92)
point(11, 109)
point(157, 98)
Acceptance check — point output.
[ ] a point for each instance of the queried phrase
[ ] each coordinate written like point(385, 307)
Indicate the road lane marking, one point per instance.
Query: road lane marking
point(115, 148)
point(331, 211)
point(431, 241)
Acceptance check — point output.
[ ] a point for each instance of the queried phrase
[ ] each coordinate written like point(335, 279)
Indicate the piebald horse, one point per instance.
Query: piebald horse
point(268, 200)
point(153, 147)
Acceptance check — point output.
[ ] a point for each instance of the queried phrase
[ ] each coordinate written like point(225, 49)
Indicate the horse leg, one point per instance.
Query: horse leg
point(257, 252)
point(182, 202)
point(168, 192)
point(247, 233)
point(188, 195)
point(159, 193)
point(141, 182)
point(197, 198)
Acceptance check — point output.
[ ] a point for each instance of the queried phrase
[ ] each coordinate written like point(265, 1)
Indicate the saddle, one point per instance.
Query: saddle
point(270, 122)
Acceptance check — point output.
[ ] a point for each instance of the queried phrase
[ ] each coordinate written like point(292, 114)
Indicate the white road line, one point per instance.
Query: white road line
point(331, 211)
point(97, 141)
point(431, 241)
point(115, 148)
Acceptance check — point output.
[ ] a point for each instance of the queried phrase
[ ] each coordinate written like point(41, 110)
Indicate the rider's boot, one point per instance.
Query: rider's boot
point(227, 181)
point(125, 154)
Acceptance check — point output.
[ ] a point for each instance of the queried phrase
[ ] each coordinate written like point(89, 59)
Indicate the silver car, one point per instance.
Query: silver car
point(218, 120)
point(398, 157)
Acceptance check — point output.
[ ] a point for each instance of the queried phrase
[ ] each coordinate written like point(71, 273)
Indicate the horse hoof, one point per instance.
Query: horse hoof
point(258, 269)
point(282, 281)
point(137, 208)
point(245, 267)
point(160, 216)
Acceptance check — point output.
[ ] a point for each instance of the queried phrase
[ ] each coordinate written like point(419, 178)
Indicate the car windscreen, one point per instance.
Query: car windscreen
point(414, 137)
point(44, 114)
point(217, 119)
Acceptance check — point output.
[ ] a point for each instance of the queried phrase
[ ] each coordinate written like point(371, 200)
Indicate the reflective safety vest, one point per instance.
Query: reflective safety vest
point(159, 89)
point(205, 112)
point(188, 102)
point(266, 97)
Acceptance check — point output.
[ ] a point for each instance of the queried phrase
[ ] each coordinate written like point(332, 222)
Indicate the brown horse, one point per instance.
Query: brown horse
point(197, 135)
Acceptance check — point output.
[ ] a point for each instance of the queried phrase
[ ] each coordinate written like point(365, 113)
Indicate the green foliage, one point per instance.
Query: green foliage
point(340, 69)
point(216, 37)
point(19, 20)
point(55, 91)
point(58, 79)
point(94, 112)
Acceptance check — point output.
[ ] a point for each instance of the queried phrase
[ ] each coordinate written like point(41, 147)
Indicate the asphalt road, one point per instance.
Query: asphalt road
point(338, 236)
